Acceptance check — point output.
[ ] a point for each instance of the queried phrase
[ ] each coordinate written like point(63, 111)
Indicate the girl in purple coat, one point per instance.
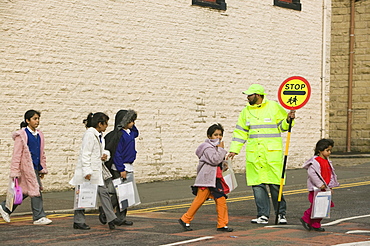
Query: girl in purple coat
point(320, 175)
point(29, 166)
point(209, 182)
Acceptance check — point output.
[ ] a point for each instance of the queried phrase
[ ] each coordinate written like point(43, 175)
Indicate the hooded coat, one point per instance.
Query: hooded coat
point(314, 178)
point(22, 165)
point(210, 156)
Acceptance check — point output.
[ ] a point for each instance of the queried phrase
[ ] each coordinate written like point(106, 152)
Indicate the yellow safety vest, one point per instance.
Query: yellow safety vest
point(260, 127)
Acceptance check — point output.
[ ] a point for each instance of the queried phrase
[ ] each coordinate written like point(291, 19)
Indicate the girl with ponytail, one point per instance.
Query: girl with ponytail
point(29, 166)
point(90, 168)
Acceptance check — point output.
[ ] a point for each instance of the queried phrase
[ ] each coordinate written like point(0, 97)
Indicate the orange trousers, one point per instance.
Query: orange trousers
point(202, 196)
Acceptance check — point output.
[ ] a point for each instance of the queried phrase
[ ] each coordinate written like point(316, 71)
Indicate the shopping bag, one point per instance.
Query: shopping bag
point(127, 193)
point(85, 195)
point(321, 204)
point(229, 177)
point(10, 195)
point(18, 194)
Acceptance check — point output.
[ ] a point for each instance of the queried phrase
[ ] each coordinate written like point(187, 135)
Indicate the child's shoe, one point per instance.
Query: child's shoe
point(318, 229)
point(42, 221)
point(4, 214)
point(102, 217)
point(185, 226)
point(81, 226)
point(225, 229)
point(305, 225)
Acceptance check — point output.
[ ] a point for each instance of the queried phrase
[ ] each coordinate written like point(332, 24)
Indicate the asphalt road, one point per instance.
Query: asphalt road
point(157, 224)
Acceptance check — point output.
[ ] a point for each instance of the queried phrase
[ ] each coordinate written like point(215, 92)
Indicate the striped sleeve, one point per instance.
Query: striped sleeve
point(240, 134)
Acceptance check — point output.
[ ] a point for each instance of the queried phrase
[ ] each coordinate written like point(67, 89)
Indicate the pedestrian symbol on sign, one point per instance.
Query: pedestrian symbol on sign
point(292, 100)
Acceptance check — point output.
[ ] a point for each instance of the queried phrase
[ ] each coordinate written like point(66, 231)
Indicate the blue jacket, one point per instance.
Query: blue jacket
point(126, 151)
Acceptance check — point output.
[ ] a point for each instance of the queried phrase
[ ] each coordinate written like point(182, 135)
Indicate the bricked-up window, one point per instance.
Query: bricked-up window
point(290, 4)
point(216, 4)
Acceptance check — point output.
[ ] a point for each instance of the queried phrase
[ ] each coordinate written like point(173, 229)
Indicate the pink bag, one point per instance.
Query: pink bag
point(18, 195)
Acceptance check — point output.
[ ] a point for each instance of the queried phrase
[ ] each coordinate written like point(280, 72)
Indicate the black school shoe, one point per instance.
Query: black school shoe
point(225, 229)
point(81, 226)
point(128, 223)
point(116, 222)
point(318, 229)
point(305, 225)
point(102, 217)
point(183, 224)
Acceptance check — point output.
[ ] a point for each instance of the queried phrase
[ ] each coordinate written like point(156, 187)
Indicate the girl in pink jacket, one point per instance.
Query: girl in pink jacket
point(29, 166)
point(320, 175)
point(209, 182)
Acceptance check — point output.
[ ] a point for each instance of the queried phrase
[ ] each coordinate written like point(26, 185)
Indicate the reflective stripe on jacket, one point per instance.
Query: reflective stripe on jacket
point(260, 128)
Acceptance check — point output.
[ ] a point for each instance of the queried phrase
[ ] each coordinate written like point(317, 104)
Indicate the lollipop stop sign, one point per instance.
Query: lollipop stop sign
point(294, 93)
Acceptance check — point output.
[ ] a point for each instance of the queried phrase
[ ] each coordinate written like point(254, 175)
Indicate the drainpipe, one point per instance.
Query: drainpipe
point(323, 68)
point(350, 74)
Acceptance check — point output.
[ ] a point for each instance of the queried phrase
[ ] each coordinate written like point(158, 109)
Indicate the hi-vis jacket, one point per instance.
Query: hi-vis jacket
point(260, 127)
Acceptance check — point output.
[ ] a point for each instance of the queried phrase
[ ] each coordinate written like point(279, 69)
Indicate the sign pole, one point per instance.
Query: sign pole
point(283, 171)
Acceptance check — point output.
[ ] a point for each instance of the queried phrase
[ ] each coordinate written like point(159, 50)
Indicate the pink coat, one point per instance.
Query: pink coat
point(210, 156)
point(22, 165)
point(314, 178)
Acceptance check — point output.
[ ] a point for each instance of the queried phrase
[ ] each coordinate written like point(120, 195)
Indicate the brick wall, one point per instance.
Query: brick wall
point(360, 140)
point(181, 67)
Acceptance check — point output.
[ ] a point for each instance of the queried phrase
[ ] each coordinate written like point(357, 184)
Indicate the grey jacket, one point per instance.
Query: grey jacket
point(314, 178)
point(210, 156)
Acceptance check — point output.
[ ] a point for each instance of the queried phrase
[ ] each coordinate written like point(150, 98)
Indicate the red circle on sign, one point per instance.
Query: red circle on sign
point(294, 90)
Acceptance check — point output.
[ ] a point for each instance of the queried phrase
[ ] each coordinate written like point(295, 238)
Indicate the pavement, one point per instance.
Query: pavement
point(348, 168)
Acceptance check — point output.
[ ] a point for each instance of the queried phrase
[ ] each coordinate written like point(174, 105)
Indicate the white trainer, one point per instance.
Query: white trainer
point(282, 220)
point(260, 220)
point(4, 214)
point(42, 221)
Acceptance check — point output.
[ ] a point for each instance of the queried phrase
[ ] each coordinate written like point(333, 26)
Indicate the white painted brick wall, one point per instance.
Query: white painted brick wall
point(181, 67)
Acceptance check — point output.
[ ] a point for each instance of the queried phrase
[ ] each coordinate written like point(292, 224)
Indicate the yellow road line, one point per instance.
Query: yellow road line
point(238, 199)
point(177, 206)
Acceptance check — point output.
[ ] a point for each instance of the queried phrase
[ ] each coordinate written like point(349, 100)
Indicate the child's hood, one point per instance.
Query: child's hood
point(208, 143)
point(123, 117)
point(21, 133)
point(309, 162)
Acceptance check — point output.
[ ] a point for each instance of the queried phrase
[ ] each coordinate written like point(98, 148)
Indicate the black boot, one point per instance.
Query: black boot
point(116, 222)
point(102, 217)
point(111, 225)
point(81, 226)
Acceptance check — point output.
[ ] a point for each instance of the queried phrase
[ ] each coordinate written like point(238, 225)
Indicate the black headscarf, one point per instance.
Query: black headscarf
point(123, 117)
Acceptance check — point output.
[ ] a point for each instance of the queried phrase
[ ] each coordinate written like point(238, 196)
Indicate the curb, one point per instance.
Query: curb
point(350, 156)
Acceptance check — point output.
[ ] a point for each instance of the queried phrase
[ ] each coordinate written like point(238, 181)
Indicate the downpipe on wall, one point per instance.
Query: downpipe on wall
point(350, 74)
point(323, 68)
